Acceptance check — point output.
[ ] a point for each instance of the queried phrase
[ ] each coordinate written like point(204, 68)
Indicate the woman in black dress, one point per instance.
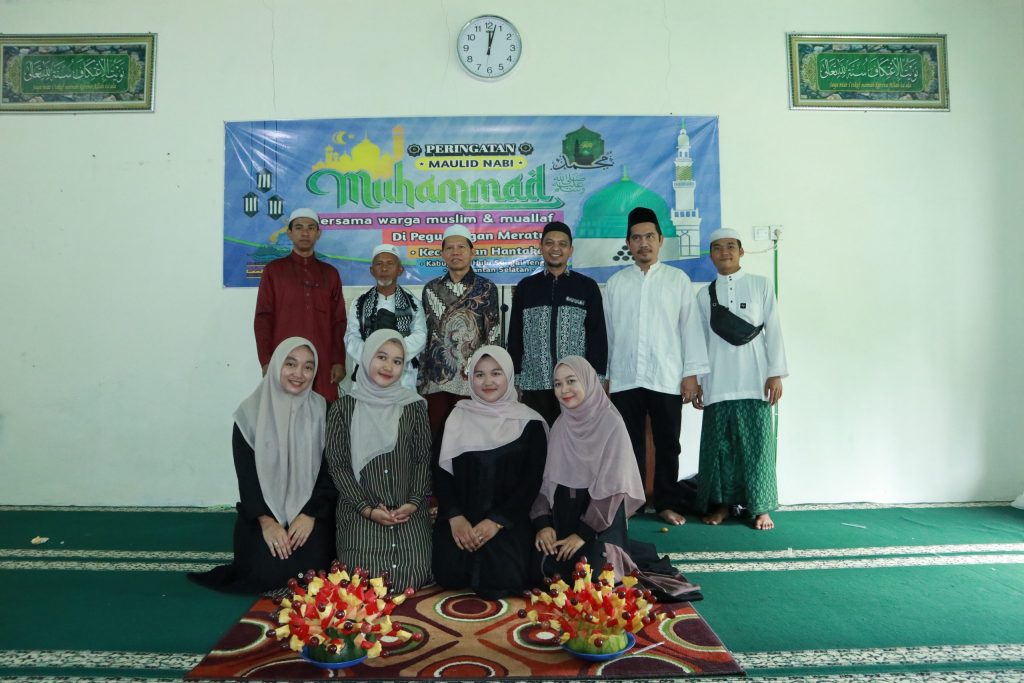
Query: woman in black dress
point(591, 486)
point(492, 458)
point(285, 521)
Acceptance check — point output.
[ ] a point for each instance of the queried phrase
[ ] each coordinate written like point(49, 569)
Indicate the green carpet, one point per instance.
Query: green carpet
point(839, 593)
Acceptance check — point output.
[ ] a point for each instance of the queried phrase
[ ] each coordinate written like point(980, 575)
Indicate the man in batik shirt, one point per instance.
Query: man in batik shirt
point(462, 315)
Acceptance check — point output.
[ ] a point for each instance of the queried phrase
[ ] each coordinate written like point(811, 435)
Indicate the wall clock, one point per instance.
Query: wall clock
point(489, 47)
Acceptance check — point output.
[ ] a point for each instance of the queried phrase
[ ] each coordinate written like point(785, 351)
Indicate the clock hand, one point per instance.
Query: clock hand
point(490, 39)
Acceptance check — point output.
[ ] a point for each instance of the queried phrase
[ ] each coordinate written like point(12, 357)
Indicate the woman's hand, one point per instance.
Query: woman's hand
point(568, 547)
point(462, 532)
point(299, 530)
point(545, 541)
point(381, 515)
point(403, 513)
point(275, 537)
point(485, 531)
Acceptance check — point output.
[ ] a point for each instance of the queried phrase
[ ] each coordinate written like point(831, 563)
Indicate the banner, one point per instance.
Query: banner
point(405, 180)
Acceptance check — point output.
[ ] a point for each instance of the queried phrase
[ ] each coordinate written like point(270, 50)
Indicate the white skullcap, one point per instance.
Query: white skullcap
point(304, 213)
point(724, 233)
point(386, 249)
point(457, 231)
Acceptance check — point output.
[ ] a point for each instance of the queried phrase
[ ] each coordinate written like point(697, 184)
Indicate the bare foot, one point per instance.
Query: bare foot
point(672, 517)
point(718, 516)
point(764, 522)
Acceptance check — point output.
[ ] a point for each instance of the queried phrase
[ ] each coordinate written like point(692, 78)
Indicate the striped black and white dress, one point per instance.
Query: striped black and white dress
point(393, 479)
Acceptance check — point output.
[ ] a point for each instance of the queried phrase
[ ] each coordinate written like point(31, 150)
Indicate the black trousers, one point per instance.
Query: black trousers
point(665, 411)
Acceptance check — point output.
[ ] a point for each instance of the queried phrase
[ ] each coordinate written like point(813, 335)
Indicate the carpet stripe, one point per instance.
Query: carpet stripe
point(814, 507)
point(103, 508)
point(97, 659)
point(109, 554)
point(863, 563)
point(936, 654)
point(107, 566)
point(939, 654)
point(846, 552)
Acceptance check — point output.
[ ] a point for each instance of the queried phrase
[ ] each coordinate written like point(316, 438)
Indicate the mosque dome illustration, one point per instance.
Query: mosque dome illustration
point(600, 238)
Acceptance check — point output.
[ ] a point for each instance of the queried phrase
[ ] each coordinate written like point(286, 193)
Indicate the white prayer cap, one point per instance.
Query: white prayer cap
point(386, 249)
point(304, 213)
point(457, 231)
point(724, 233)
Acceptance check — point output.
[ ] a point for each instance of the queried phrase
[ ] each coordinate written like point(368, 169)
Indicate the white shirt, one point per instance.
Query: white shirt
point(655, 337)
point(414, 343)
point(739, 372)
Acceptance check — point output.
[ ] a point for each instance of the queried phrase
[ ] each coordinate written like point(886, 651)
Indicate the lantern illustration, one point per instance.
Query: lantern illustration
point(250, 204)
point(275, 207)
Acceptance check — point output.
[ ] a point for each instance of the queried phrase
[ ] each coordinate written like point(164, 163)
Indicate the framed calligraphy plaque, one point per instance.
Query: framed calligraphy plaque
point(829, 71)
point(76, 73)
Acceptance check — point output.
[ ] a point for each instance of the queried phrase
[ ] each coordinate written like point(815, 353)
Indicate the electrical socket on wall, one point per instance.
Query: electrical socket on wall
point(762, 233)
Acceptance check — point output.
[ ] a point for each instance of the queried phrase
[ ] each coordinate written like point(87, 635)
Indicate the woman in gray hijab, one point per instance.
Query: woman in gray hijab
point(591, 487)
point(285, 522)
point(378, 453)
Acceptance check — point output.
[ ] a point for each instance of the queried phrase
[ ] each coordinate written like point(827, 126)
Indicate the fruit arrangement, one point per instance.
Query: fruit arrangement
point(593, 615)
point(338, 616)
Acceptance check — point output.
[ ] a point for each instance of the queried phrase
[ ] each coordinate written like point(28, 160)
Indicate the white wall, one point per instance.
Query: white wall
point(124, 357)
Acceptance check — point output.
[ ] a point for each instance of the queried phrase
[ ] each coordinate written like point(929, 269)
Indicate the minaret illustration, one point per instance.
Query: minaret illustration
point(600, 238)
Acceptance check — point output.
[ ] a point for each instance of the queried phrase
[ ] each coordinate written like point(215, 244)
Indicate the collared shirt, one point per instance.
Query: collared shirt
point(554, 317)
point(415, 340)
point(739, 372)
point(300, 296)
point(655, 336)
point(461, 317)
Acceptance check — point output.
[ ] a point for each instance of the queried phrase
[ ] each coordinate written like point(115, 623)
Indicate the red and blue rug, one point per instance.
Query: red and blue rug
point(468, 638)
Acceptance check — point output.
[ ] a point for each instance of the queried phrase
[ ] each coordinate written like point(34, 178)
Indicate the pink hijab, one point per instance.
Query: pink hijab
point(589, 447)
point(476, 425)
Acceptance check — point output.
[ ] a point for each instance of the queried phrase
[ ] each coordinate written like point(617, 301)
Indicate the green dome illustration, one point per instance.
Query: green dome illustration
point(606, 212)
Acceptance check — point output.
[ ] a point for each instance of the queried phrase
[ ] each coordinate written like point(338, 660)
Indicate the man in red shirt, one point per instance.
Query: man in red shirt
point(300, 296)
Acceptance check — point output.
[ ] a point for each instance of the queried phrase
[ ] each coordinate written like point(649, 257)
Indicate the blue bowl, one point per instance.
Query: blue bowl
point(588, 657)
point(329, 665)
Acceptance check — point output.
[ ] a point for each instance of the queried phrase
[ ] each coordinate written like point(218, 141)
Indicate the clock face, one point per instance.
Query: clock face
point(489, 47)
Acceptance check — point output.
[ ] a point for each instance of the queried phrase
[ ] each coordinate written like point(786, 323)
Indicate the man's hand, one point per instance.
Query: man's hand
point(773, 390)
point(688, 388)
point(337, 372)
point(698, 400)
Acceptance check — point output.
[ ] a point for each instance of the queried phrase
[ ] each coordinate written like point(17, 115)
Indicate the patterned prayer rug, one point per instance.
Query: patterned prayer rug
point(468, 638)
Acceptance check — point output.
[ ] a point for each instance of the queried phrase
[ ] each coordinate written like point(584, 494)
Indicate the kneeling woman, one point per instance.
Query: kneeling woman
point(378, 452)
point(285, 519)
point(591, 486)
point(492, 457)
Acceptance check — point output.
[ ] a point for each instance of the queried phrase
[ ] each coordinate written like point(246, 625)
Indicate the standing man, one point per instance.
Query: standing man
point(389, 306)
point(462, 315)
point(656, 349)
point(300, 296)
point(555, 313)
point(748, 362)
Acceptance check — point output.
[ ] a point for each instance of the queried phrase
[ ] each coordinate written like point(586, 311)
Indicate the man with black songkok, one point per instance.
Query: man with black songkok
point(656, 350)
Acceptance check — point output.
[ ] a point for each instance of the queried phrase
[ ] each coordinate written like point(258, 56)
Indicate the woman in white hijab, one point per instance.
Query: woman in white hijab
point(378, 453)
point(285, 518)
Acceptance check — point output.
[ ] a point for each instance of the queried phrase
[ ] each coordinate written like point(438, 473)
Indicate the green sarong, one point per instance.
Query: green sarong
point(737, 457)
